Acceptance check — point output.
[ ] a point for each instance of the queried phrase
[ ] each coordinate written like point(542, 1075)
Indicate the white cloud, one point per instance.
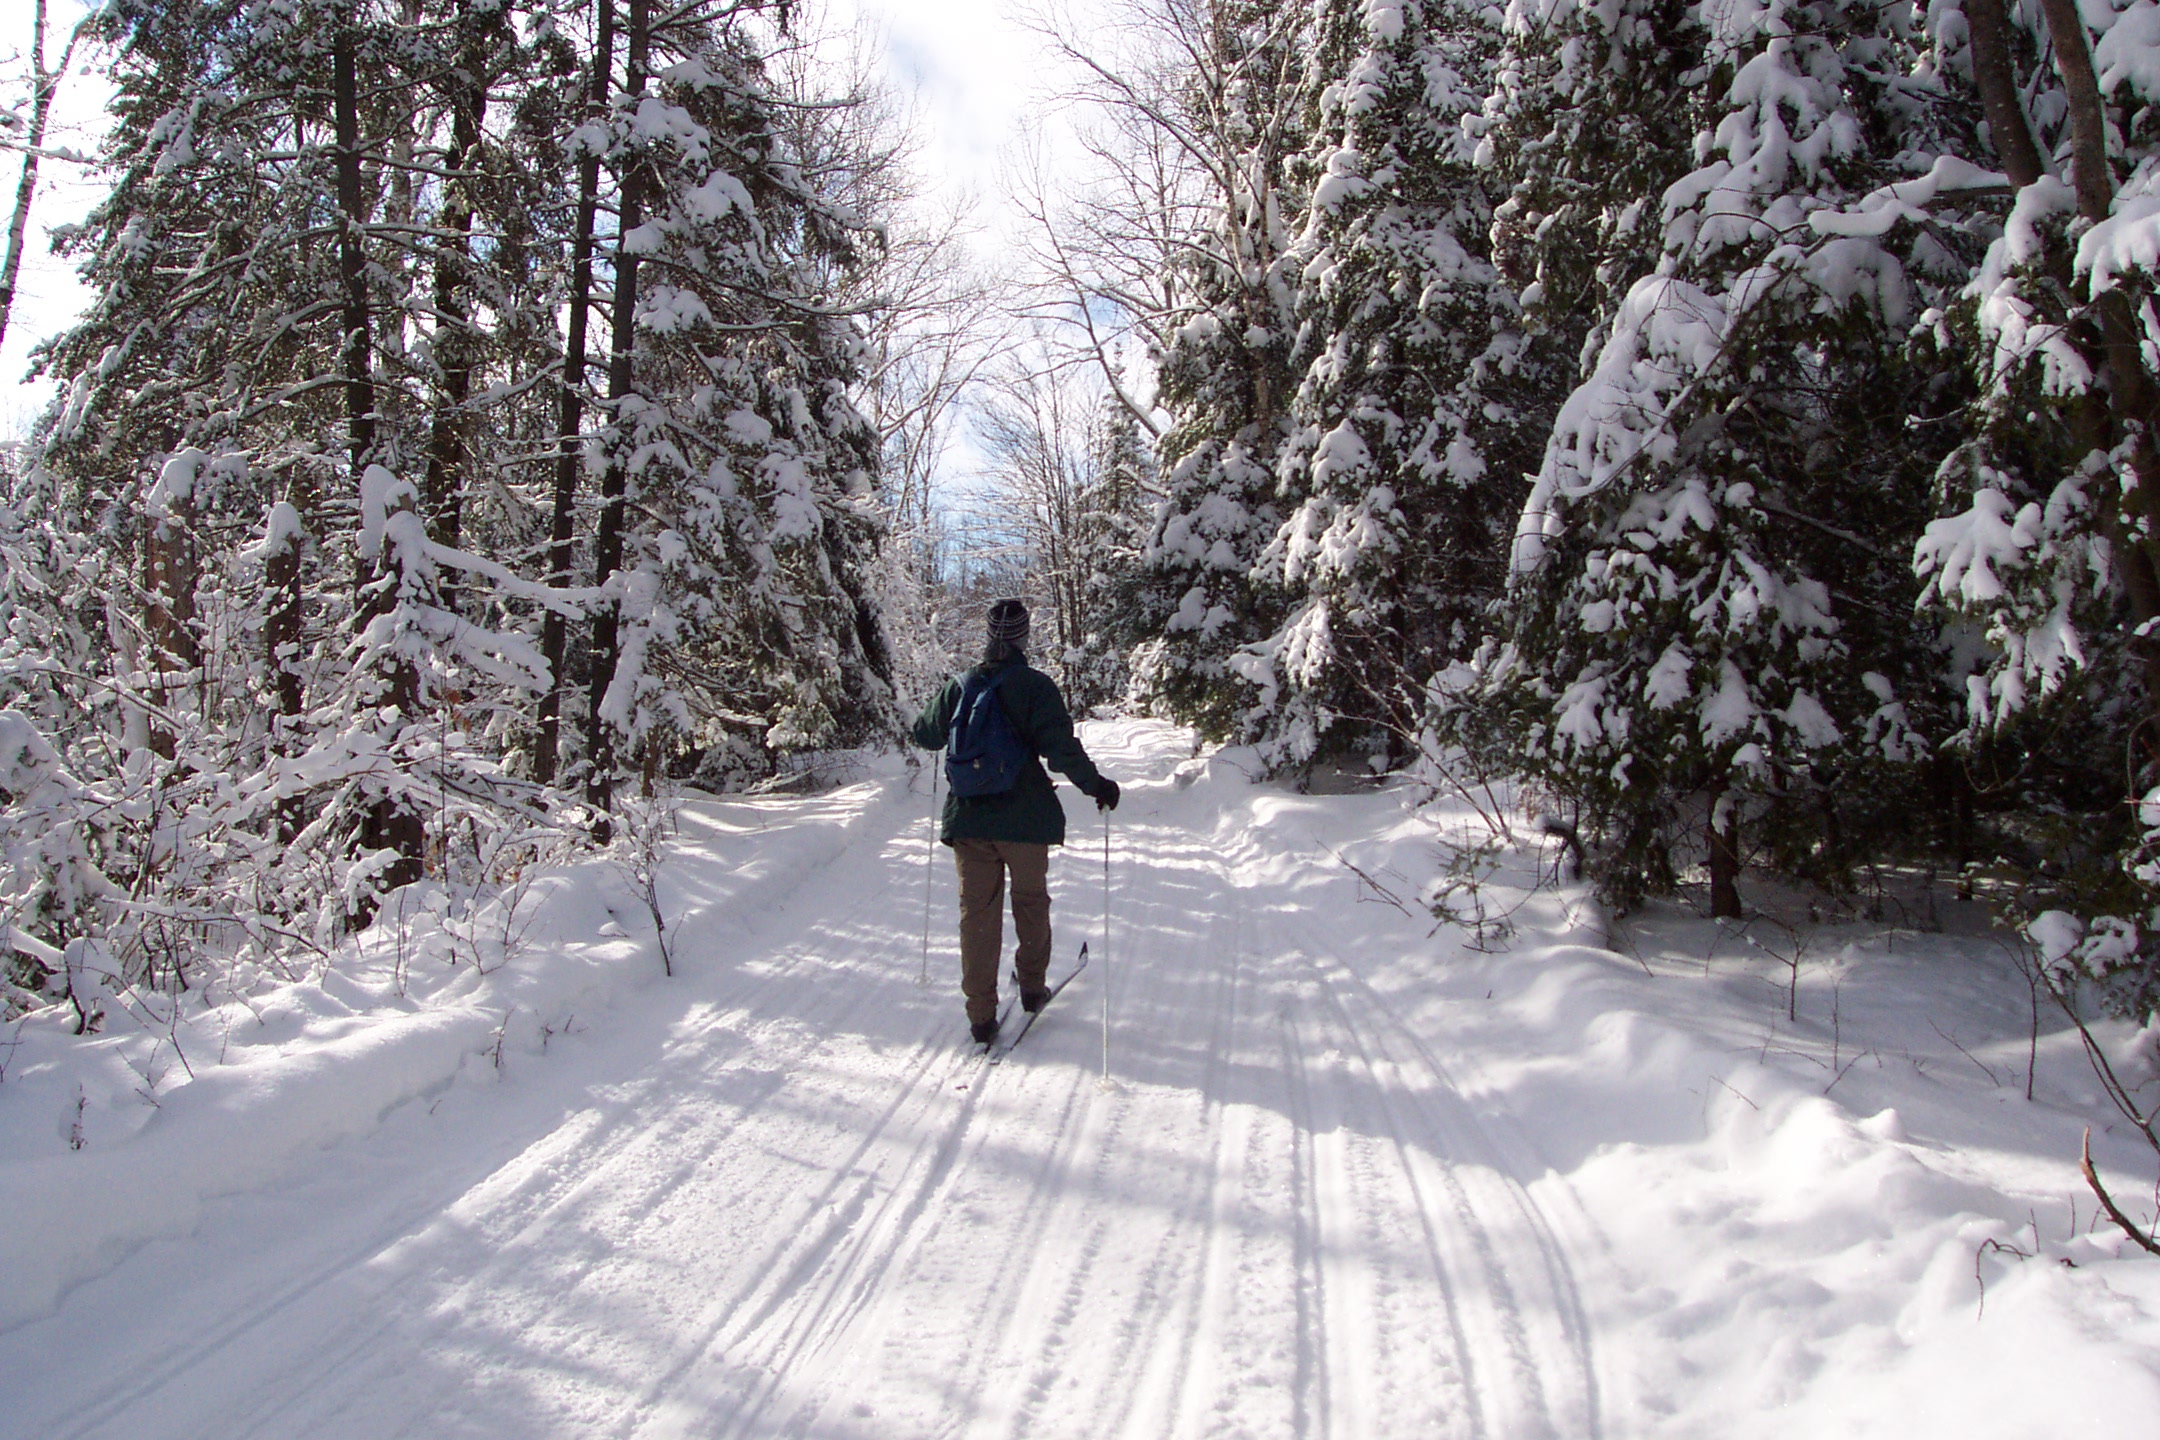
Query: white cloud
point(979, 77)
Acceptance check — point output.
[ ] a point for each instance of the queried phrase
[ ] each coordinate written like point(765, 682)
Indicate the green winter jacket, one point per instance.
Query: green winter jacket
point(1028, 813)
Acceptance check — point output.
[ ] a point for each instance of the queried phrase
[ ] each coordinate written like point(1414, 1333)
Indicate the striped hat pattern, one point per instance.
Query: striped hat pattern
point(1008, 622)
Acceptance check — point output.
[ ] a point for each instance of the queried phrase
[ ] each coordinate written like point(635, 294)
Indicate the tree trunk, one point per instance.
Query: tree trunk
point(2088, 120)
point(169, 578)
point(608, 540)
point(555, 629)
point(356, 350)
point(2133, 514)
point(281, 639)
point(1997, 81)
point(45, 84)
point(285, 619)
point(1723, 828)
point(391, 823)
point(443, 494)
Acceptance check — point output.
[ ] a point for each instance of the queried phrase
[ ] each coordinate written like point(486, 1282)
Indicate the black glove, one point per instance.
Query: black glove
point(1106, 793)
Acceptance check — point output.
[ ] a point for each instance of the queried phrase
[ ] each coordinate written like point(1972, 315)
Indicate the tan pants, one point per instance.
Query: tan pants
point(982, 865)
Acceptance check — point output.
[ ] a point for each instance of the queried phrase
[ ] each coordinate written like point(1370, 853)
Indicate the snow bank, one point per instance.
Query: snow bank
point(1850, 1223)
point(232, 1129)
point(114, 1140)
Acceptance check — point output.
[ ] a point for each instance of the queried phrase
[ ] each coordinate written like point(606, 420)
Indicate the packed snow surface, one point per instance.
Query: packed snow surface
point(1351, 1175)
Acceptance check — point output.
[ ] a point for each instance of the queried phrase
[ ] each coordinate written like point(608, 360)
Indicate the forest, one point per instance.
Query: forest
point(1727, 427)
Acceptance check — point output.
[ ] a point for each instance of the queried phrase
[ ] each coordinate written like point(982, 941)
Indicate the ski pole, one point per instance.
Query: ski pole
point(929, 875)
point(1106, 947)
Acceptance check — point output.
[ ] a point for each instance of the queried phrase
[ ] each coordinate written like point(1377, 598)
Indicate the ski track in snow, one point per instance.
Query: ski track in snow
point(781, 1196)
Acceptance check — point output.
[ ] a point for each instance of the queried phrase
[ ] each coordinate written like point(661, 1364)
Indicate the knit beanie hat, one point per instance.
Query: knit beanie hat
point(1006, 628)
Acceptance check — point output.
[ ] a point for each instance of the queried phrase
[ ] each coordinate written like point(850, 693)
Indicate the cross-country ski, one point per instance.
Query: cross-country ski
point(1004, 1046)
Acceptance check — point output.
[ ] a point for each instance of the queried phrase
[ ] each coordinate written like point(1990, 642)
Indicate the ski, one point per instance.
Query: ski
point(999, 1050)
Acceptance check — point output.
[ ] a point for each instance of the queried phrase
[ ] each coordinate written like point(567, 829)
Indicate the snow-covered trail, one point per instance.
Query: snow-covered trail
point(1350, 1177)
point(780, 1195)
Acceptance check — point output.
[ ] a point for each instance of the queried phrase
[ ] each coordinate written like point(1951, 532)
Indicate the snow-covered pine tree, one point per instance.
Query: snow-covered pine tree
point(744, 470)
point(276, 567)
point(250, 408)
point(1123, 486)
point(1712, 624)
point(1592, 114)
point(1589, 118)
point(2050, 543)
point(1225, 376)
point(1415, 413)
point(213, 336)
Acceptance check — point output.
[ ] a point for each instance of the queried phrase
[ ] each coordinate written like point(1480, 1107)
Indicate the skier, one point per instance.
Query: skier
point(1010, 829)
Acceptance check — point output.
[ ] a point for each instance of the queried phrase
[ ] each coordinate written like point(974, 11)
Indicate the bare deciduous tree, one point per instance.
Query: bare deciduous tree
point(44, 86)
point(1063, 498)
point(1187, 115)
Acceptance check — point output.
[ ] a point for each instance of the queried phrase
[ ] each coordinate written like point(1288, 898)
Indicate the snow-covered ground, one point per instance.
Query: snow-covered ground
point(1347, 1178)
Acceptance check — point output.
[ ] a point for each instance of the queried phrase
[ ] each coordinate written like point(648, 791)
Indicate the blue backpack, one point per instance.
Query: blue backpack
point(982, 754)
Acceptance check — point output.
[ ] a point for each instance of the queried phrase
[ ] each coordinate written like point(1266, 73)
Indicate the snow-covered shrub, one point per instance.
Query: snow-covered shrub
point(52, 885)
point(2108, 952)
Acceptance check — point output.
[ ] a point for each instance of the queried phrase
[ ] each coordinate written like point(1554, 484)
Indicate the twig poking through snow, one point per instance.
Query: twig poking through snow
point(2107, 1203)
point(1796, 943)
point(1736, 1095)
point(1992, 1077)
point(644, 831)
point(1367, 882)
point(1980, 1277)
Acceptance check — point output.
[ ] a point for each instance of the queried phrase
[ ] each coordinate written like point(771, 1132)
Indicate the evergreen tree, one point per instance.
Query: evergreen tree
point(298, 543)
point(1710, 623)
point(1225, 376)
point(2048, 543)
point(743, 469)
point(1114, 519)
point(1417, 400)
point(1591, 116)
